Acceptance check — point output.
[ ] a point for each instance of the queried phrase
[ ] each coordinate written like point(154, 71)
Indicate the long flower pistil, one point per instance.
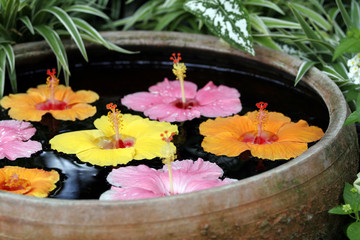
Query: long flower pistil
point(115, 118)
point(52, 82)
point(179, 70)
point(260, 136)
point(169, 157)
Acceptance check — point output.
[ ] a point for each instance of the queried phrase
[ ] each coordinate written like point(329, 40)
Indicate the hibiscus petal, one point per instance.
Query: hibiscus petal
point(23, 130)
point(299, 132)
point(141, 101)
point(172, 89)
point(79, 111)
point(200, 168)
point(236, 126)
point(107, 157)
point(74, 142)
point(274, 120)
point(278, 150)
point(82, 96)
point(18, 149)
point(170, 113)
point(137, 177)
point(224, 144)
point(218, 101)
point(127, 194)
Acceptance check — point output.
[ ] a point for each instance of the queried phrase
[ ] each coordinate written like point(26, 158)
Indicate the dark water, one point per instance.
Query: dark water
point(118, 75)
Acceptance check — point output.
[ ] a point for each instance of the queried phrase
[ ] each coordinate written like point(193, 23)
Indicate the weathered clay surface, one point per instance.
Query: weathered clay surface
point(288, 202)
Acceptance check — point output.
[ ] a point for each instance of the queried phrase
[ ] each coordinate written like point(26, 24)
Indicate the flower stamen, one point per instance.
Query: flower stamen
point(179, 70)
point(169, 157)
point(115, 117)
point(14, 183)
point(52, 82)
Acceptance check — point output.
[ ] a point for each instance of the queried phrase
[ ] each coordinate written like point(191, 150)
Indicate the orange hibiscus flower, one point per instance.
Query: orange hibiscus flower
point(58, 100)
point(268, 135)
point(31, 182)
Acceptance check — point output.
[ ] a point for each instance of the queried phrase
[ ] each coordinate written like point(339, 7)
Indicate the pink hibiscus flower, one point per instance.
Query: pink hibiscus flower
point(163, 101)
point(14, 139)
point(137, 182)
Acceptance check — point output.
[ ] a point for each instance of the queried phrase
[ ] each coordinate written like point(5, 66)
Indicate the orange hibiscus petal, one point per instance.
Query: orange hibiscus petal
point(79, 111)
point(299, 132)
point(224, 144)
point(274, 120)
point(235, 125)
point(82, 96)
point(278, 150)
point(33, 182)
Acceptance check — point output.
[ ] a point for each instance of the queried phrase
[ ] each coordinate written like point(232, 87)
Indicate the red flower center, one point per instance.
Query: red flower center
point(106, 143)
point(189, 104)
point(264, 138)
point(125, 143)
point(14, 183)
point(52, 105)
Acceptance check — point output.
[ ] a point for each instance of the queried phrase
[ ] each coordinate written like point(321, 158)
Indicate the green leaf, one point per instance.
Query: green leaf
point(54, 41)
point(309, 13)
point(2, 72)
point(96, 37)
point(347, 45)
point(355, 13)
point(311, 34)
point(11, 10)
point(27, 22)
point(88, 10)
point(258, 24)
point(12, 77)
point(330, 71)
point(278, 23)
point(353, 231)
point(267, 42)
point(264, 3)
point(353, 118)
point(9, 51)
point(304, 68)
point(344, 13)
point(349, 197)
point(338, 210)
point(167, 19)
point(226, 19)
point(70, 26)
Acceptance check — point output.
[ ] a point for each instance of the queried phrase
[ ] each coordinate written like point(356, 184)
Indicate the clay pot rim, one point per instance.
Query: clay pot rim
point(315, 79)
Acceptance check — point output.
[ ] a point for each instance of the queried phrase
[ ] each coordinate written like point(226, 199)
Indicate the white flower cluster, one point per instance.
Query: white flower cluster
point(354, 69)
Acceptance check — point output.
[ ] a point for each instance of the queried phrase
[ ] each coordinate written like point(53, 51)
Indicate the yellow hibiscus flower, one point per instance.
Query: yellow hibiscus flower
point(268, 135)
point(31, 182)
point(115, 142)
point(58, 100)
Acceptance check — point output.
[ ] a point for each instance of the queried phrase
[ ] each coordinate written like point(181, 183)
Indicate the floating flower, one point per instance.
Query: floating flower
point(354, 68)
point(31, 182)
point(268, 135)
point(14, 139)
point(137, 182)
point(179, 100)
point(60, 101)
point(118, 139)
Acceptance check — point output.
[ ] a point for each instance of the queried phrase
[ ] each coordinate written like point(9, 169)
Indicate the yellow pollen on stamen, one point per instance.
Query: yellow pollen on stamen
point(169, 157)
point(261, 117)
point(179, 70)
point(115, 118)
point(52, 82)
